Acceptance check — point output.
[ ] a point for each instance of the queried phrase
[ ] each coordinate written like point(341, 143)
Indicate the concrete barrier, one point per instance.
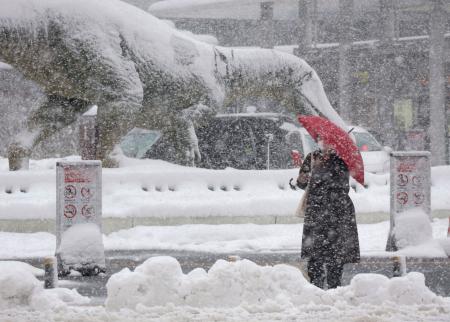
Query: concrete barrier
point(111, 224)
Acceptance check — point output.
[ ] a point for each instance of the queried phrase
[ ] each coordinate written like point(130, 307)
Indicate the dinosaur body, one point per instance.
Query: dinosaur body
point(137, 69)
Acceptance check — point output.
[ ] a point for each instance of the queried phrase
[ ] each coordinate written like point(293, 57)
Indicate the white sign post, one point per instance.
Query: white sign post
point(410, 186)
point(79, 243)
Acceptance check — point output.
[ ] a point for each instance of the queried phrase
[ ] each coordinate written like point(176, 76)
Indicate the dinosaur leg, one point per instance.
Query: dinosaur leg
point(55, 114)
point(114, 121)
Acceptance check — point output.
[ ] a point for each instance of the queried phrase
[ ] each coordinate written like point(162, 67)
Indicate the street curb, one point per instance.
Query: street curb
point(111, 224)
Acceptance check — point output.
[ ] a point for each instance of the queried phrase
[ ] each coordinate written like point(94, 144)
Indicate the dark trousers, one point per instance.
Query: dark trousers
point(316, 272)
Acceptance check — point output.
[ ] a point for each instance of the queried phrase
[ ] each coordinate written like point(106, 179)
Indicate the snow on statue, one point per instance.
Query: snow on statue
point(139, 71)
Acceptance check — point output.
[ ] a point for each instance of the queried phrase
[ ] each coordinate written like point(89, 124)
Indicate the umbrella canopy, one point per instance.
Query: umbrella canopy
point(339, 140)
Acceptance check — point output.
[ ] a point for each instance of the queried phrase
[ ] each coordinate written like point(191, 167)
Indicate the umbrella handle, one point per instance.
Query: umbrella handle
point(293, 187)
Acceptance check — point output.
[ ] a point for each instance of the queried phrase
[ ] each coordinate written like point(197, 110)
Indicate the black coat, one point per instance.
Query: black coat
point(329, 230)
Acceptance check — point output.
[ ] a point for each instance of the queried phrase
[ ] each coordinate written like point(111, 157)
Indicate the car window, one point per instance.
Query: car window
point(232, 145)
point(366, 142)
point(138, 141)
point(311, 144)
point(294, 141)
point(269, 138)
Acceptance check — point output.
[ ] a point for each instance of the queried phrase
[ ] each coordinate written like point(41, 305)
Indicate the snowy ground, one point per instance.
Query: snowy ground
point(223, 239)
point(157, 189)
point(241, 291)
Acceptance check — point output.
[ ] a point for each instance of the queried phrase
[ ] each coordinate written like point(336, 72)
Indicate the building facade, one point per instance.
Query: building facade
point(385, 64)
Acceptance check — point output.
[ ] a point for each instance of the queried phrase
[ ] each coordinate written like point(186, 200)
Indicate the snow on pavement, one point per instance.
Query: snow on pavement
point(219, 239)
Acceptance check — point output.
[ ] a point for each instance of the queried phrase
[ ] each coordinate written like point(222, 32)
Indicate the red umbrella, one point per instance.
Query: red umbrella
point(339, 140)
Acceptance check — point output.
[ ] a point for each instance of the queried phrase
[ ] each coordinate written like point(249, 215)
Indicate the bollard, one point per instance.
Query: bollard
point(88, 134)
point(50, 272)
point(18, 157)
point(234, 258)
point(399, 265)
point(448, 230)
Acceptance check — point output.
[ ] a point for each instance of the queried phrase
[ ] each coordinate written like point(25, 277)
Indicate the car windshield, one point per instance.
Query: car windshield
point(138, 141)
point(366, 142)
point(311, 144)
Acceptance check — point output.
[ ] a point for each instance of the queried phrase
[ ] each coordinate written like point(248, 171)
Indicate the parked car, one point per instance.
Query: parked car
point(249, 141)
point(252, 141)
point(375, 157)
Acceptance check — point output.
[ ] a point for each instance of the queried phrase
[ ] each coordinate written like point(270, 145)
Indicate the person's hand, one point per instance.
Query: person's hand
point(303, 178)
point(293, 187)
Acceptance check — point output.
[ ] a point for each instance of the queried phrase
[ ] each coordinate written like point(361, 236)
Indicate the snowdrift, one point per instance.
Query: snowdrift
point(20, 288)
point(159, 281)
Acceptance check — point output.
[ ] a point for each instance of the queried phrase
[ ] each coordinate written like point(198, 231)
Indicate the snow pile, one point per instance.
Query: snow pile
point(5, 66)
point(414, 234)
point(412, 228)
point(17, 286)
point(209, 39)
point(377, 289)
point(159, 281)
point(20, 287)
point(177, 4)
point(20, 245)
point(13, 265)
point(82, 244)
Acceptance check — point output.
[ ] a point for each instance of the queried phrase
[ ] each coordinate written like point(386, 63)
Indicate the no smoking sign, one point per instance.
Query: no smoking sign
point(79, 193)
point(70, 211)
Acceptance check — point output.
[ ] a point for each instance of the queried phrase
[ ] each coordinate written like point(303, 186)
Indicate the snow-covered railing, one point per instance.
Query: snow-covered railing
point(159, 189)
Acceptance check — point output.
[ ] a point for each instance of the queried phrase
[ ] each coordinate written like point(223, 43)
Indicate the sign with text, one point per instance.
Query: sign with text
point(78, 201)
point(410, 185)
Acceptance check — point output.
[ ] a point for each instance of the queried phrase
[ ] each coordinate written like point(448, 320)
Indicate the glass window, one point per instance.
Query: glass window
point(311, 144)
point(138, 141)
point(294, 141)
point(366, 142)
point(403, 113)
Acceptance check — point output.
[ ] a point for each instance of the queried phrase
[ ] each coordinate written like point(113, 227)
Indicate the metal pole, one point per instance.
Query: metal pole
point(88, 134)
point(345, 46)
point(269, 139)
point(50, 272)
point(399, 263)
point(267, 23)
point(437, 130)
point(305, 26)
point(385, 56)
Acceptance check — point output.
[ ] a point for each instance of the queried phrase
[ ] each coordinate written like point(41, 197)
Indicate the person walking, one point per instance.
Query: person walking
point(330, 236)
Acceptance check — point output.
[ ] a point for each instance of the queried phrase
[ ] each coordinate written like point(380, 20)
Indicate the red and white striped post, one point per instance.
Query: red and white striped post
point(448, 231)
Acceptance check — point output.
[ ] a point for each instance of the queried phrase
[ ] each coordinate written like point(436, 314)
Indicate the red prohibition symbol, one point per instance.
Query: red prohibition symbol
point(86, 192)
point(402, 198)
point(70, 191)
point(402, 179)
point(70, 211)
point(87, 211)
point(417, 180)
point(419, 198)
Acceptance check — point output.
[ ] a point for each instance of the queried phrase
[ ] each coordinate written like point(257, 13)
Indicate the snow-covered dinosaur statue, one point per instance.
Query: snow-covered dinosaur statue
point(138, 70)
